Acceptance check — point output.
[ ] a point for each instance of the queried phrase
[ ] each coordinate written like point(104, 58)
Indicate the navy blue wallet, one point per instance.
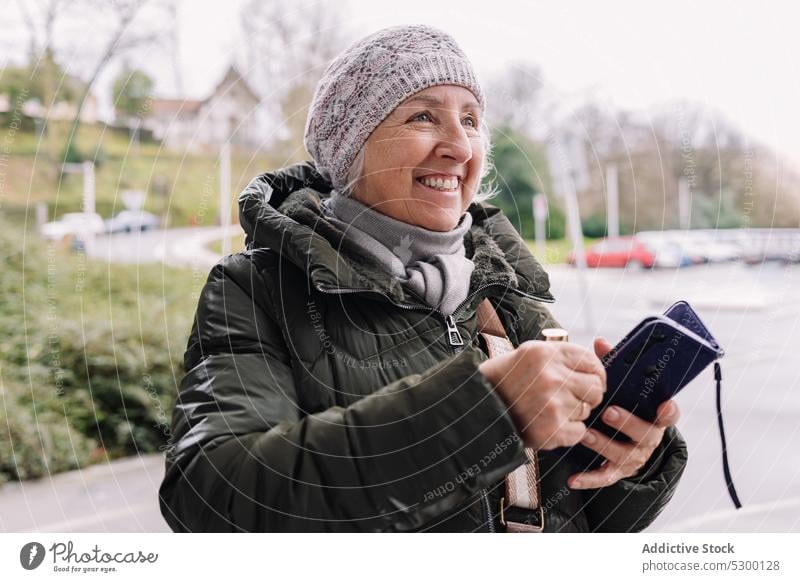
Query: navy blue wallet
point(650, 365)
point(655, 361)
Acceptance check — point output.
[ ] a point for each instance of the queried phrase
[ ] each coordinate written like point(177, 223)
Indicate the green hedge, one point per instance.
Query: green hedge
point(92, 359)
point(37, 440)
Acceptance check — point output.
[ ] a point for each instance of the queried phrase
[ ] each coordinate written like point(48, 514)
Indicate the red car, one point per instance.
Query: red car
point(624, 251)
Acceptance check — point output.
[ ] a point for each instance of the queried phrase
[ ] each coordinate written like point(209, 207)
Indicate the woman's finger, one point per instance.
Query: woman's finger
point(606, 475)
point(640, 431)
point(667, 414)
point(568, 434)
point(586, 387)
point(581, 359)
point(579, 410)
point(601, 346)
point(618, 453)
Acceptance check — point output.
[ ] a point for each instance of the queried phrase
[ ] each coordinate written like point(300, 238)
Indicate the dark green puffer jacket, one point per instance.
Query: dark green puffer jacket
point(320, 395)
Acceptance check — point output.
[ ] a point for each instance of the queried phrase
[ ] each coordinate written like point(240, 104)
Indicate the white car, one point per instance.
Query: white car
point(668, 255)
point(131, 221)
point(716, 251)
point(74, 225)
point(667, 251)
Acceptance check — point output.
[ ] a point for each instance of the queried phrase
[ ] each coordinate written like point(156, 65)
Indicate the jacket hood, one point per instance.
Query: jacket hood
point(281, 210)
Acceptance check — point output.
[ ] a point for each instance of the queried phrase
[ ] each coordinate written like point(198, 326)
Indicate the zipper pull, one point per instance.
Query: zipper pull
point(453, 335)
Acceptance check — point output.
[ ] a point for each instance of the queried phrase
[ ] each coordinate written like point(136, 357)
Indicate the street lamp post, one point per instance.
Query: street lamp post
point(567, 163)
point(225, 195)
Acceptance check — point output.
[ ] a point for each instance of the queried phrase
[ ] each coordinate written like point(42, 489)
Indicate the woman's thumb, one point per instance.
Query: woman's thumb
point(601, 346)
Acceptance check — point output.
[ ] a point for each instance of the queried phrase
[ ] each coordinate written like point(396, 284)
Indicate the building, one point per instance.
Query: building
point(230, 112)
point(60, 111)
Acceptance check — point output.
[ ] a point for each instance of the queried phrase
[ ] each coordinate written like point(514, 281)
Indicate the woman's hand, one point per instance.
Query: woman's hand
point(549, 388)
point(623, 459)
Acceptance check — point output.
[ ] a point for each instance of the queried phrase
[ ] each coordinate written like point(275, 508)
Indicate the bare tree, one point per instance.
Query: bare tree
point(514, 97)
point(174, 46)
point(123, 37)
point(115, 22)
point(289, 44)
point(40, 17)
point(731, 183)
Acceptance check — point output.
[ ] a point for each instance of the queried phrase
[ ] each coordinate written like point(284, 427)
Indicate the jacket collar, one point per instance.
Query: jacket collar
point(281, 210)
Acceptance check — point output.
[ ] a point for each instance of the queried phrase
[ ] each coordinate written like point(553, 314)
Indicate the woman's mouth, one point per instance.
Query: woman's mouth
point(440, 183)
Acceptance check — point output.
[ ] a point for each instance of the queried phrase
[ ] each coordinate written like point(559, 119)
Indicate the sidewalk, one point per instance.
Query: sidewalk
point(121, 496)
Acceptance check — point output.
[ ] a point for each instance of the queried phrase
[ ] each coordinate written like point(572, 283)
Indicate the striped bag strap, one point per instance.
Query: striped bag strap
point(523, 492)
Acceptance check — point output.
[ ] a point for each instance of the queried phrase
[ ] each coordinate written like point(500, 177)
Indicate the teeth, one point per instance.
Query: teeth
point(440, 183)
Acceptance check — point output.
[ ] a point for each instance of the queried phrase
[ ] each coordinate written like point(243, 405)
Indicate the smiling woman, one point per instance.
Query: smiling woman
point(486, 190)
point(430, 154)
point(345, 373)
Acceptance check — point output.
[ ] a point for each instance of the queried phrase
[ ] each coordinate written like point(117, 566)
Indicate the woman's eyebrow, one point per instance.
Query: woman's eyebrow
point(432, 101)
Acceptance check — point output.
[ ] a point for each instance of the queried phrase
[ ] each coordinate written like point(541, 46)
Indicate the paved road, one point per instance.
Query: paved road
point(180, 247)
point(116, 497)
point(753, 311)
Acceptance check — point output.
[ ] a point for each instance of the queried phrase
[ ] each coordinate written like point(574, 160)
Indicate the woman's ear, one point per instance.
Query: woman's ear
point(355, 173)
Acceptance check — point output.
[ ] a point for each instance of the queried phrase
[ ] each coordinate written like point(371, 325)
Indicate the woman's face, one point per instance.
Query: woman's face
point(422, 164)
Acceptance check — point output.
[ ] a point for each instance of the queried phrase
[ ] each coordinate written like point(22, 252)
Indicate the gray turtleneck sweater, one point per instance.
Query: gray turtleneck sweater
point(431, 264)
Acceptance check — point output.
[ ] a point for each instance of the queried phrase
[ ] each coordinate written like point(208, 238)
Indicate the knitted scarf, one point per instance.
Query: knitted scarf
point(431, 264)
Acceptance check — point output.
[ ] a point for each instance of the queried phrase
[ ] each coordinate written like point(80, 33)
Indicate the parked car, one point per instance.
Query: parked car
point(692, 249)
point(785, 255)
point(73, 225)
point(703, 248)
point(131, 221)
point(668, 255)
point(697, 247)
point(624, 251)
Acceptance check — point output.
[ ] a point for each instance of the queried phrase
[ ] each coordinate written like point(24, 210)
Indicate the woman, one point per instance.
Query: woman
point(334, 376)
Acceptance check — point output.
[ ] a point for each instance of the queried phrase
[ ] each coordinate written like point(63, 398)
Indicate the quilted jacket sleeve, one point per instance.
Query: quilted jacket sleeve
point(630, 505)
point(243, 456)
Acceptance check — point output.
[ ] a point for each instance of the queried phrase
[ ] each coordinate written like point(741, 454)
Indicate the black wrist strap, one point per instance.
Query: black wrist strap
point(725, 466)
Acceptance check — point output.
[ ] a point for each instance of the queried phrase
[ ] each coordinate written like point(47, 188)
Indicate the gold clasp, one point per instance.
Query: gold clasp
point(524, 526)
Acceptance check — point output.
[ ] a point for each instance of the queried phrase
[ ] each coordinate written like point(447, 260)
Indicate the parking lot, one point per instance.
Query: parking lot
point(753, 311)
point(686, 248)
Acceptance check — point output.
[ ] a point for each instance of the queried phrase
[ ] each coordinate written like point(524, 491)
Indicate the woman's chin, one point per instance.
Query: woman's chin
point(438, 210)
point(441, 219)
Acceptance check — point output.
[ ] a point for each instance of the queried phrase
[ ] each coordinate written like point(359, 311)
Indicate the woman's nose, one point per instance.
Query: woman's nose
point(455, 143)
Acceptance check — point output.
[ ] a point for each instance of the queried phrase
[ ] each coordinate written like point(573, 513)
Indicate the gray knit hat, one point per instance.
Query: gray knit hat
point(365, 83)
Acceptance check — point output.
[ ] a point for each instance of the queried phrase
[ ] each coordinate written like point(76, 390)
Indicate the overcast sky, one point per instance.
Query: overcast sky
point(742, 58)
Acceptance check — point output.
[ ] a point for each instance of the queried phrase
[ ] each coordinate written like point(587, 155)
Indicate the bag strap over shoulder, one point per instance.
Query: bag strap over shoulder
point(523, 493)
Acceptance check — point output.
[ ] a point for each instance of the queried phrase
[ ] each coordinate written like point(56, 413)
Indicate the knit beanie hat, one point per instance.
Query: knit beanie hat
point(365, 83)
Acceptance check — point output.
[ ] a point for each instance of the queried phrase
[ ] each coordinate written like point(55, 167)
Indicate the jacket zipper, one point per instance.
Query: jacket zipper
point(453, 335)
point(488, 508)
point(455, 340)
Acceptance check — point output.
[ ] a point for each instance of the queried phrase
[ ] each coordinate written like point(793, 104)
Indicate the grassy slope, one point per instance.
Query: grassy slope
point(192, 178)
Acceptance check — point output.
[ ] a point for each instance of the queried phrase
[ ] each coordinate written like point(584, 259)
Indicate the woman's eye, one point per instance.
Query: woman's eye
point(470, 120)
